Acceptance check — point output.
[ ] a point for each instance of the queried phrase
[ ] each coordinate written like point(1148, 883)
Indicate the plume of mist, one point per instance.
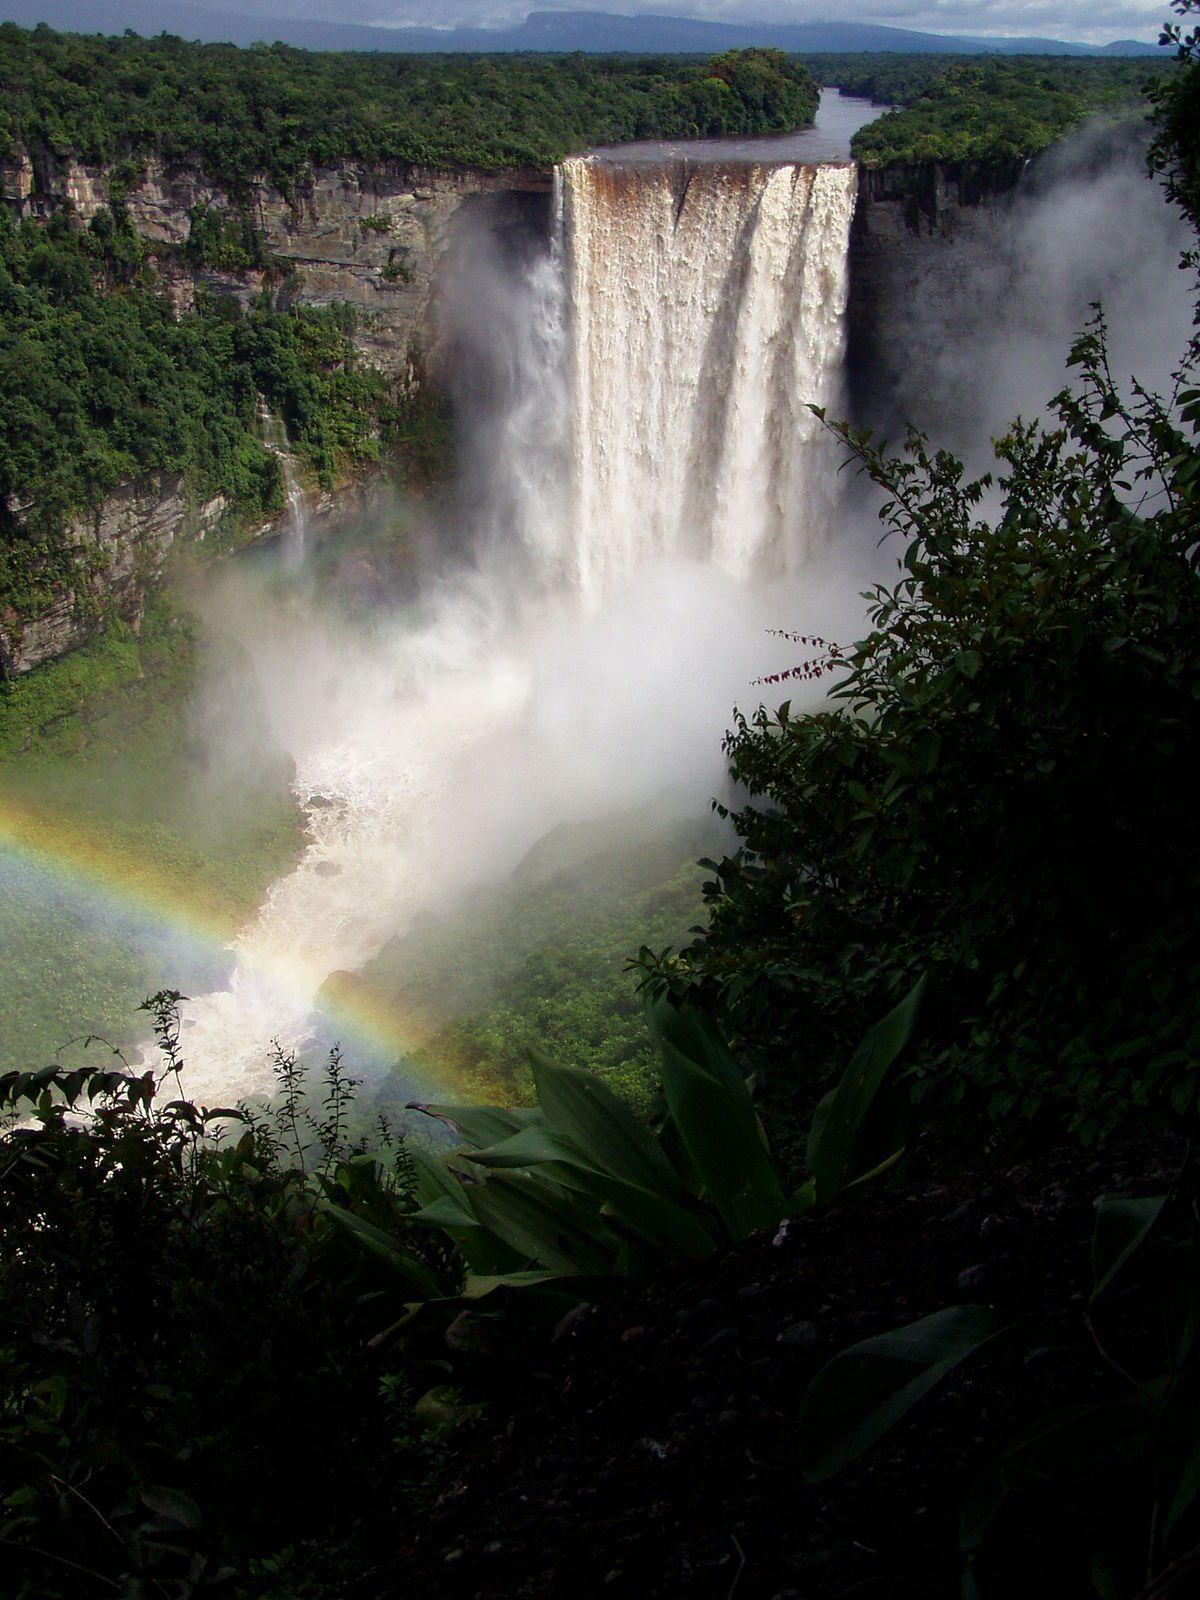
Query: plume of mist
point(980, 329)
point(437, 738)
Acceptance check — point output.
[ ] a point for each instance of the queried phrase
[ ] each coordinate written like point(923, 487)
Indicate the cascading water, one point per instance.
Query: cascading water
point(706, 312)
point(295, 523)
point(642, 456)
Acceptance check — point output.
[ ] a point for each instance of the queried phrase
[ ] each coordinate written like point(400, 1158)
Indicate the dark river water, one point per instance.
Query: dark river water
point(839, 117)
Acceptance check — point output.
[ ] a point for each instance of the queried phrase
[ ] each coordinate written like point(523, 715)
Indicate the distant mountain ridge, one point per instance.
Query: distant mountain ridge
point(549, 31)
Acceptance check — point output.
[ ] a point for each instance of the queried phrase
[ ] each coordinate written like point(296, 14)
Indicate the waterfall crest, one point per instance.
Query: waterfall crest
point(705, 312)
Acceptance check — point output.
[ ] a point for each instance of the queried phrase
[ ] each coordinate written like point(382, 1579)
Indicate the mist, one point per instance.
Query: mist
point(985, 333)
point(534, 678)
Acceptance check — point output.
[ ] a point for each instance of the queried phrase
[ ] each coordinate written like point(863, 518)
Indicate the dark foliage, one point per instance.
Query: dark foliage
point(1176, 151)
point(655, 1451)
point(1002, 797)
point(182, 1327)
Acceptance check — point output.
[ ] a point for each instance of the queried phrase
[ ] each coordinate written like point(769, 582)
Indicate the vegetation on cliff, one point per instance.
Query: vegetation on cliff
point(276, 111)
point(104, 382)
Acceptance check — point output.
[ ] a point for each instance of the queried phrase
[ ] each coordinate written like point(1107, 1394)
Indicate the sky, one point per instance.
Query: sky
point(1087, 21)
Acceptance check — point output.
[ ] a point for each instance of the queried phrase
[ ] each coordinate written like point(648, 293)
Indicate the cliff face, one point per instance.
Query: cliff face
point(371, 237)
point(340, 227)
point(127, 541)
point(912, 227)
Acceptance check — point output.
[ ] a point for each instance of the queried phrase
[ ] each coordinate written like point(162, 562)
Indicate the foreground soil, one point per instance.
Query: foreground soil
point(656, 1453)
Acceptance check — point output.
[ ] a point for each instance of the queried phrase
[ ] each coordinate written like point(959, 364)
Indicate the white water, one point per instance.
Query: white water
point(294, 531)
point(707, 311)
point(648, 482)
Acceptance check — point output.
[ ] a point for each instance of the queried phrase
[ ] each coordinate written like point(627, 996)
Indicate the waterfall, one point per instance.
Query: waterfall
point(294, 532)
point(642, 481)
point(295, 522)
point(706, 311)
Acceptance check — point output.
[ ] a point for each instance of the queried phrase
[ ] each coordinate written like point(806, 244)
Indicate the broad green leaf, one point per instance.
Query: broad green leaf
point(414, 1272)
point(694, 1036)
point(578, 1105)
point(724, 1142)
point(867, 1389)
point(480, 1125)
point(532, 1147)
point(480, 1284)
point(1175, 1452)
point(817, 1124)
point(173, 1506)
point(447, 1212)
point(1121, 1225)
point(837, 1125)
point(446, 1206)
point(433, 1179)
point(658, 1220)
point(537, 1224)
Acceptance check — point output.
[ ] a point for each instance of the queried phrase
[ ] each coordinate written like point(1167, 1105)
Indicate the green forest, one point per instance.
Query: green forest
point(104, 382)
point(278, 111)
point(988, 113)
point(835, 1229)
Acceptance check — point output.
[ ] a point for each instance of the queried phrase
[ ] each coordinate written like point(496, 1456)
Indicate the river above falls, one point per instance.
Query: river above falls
point(839, 117)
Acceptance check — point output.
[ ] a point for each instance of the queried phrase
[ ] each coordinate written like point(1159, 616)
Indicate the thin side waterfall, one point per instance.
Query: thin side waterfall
point(295, 523)
point(641, 478)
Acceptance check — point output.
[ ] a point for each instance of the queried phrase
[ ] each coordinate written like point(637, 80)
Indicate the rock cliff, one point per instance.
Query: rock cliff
point(911, 226)
point(371, 237)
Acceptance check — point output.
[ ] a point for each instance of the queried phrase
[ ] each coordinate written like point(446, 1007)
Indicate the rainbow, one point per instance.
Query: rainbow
point(81, 858)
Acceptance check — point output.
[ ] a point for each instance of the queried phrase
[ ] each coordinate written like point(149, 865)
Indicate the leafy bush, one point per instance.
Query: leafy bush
point(1140, 1445)
point(187, 1295)
point(223, 239)
point(1176, 151)
point(1002, 797)
point(182, 1325)
point(562, 1198)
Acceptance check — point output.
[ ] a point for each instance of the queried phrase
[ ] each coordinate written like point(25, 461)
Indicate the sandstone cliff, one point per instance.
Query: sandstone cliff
point(371, 237)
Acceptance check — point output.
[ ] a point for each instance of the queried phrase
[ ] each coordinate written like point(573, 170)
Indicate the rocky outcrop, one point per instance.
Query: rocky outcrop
point(123, 547)
point(368, 236)
point(911, 225)
point(938, 249)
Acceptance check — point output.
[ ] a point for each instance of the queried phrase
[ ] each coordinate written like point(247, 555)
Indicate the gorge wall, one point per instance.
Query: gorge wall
point(371, 237)
point(375, 238)
point(969, 286)
point(911, 224)
point(366, 236)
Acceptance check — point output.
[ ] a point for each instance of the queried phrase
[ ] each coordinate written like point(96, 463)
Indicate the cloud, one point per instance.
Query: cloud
point(1079, 21)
